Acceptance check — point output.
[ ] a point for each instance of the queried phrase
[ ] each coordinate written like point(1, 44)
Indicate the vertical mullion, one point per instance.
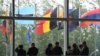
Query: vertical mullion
point(13, 15)
point(67, 22)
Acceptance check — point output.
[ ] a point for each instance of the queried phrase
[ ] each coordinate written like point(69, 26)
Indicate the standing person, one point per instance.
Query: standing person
point(81, 49)
point(57, 50)
point(69, 51)
point(20, 51)
point(85, 51)
point(49, 50)
point(33, 51)
point(75, 50)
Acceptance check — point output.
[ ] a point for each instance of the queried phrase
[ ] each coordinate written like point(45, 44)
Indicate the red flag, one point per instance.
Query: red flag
point(3, 27)
point(39, 29)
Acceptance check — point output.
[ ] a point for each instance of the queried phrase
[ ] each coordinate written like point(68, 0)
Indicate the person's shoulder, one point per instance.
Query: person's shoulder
point(59, 47)
point(24, 50)
point(30, 48)
point(36, 48)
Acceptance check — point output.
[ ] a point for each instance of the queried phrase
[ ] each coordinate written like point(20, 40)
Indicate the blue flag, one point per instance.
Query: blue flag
point(28, 35)
point(74, 14)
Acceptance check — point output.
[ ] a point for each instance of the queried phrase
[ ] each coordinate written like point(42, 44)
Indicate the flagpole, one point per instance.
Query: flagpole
point(95, 39)
point(35, 9)
point(18, 8)
point(65, 26)
point(58, 17)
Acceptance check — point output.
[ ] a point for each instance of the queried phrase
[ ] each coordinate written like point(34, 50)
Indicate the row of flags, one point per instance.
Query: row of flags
point(41, 28)
point(44, 26)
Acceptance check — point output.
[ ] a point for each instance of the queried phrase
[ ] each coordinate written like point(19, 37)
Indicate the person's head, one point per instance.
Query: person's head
point(80, 46)
point(49, 45)
point(21, 46)
point(75, 45)
point(84, 43)
point(33, 44)
point(57, 43)
point(68, 47)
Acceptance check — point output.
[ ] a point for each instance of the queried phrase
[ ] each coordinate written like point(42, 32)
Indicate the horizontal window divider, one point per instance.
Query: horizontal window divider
point(47, 18)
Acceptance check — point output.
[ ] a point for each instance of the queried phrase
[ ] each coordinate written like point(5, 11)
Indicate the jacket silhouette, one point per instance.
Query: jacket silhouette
point(85, 50)
point(49, 51)
point(33, 51)
point(69, 51)
point(75, 50)
point(20, 51)
point(57, 50)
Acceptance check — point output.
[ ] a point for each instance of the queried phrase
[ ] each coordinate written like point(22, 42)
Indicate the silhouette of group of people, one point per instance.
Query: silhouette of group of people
point(32, 51)
point(81, 50)
point(53, 51)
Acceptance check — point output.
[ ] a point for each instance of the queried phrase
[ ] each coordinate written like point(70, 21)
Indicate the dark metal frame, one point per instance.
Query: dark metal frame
point(40, 18)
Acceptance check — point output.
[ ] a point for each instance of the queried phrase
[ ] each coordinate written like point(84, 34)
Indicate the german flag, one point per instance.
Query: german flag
point(3, 27)
point(44, 26)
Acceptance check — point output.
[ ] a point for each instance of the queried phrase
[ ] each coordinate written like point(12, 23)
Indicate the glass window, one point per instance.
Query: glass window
point(5, 7)
point(41, 32)
point(39, 8)
point(88, 9)
point(6, 39)
point(88, 33)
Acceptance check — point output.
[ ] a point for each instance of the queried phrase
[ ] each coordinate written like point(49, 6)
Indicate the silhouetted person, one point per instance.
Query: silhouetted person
point(57, 50)
point(20, 51)
point(69, 51)
point(85, 51)
point(33, 51)
point(81, 49)
point(75, 50)
point(49, 50)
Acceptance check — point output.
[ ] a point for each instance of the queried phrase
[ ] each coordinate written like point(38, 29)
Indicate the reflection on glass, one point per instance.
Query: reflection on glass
point(40, 32)
point(5, 6)
point(38, 8)
point(6, 39)
point(87, 12)
point(89, 32)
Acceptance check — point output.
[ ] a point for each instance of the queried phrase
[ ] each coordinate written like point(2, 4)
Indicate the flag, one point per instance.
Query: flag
point(28, 35)
point(91, 14)
point(53, 23)
point(4, 29)
point(4, 23)
point(73, 14)
point(44, 26)
point(73, 24)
